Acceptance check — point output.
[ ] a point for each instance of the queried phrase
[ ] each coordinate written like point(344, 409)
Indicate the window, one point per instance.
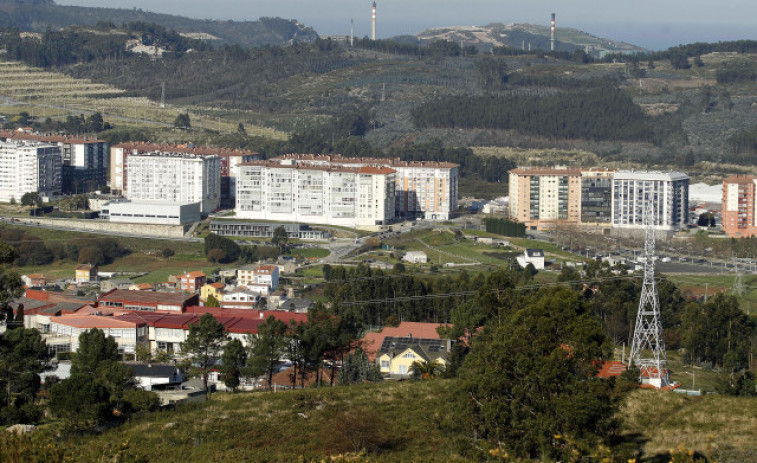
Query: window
point(409, 355)
point(385, 364)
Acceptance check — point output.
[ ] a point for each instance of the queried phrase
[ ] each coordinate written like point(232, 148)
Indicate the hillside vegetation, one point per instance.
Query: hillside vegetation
point(405, 421)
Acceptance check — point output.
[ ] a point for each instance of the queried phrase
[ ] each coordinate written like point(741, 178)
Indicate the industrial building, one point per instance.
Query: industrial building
point(175, 177)
point(666, 192)
point(265, 230)
point(27, 167)
point(151, 212)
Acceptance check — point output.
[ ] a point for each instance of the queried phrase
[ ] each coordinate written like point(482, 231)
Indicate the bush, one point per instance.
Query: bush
point(167, 252)
point(138, 400)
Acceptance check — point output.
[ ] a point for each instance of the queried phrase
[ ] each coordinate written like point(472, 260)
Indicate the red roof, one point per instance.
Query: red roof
point(611, 368)
point(371, 342)
point(195, 274)
point(217, 285)
point(96, 321)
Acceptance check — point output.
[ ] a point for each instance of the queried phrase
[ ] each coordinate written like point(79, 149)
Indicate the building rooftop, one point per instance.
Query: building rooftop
point(197, 150)
point(546, 171)
point(152, 297)
point(95, 321)
point(649, 175)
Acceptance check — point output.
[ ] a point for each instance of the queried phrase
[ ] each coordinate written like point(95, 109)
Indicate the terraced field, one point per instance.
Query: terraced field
point(50, 94)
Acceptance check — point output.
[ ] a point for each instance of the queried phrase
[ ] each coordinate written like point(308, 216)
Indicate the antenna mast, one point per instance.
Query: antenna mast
point(648, 347)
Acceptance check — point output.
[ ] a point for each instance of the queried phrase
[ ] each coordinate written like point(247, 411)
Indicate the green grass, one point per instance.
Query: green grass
point(307, 253)
point(400, 421)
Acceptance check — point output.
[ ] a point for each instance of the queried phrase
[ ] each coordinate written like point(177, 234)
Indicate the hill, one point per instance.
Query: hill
point(404, 421)
point(526, 36)
point(40, 15)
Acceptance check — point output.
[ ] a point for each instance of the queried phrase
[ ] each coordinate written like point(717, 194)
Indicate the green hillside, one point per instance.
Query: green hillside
point(40, 15)
point(389, 422)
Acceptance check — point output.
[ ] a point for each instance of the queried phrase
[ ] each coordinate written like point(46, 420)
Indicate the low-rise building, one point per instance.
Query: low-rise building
point(86, 273)
point(212, 289)
point(397, 354)
point(534, 257)
point(193, 281)
point(148, 301)
point(241, 298)
point(151, 212)
point(415, 257)
point(149, 375)
point(259, 275)
point(65, 330)
point(265, 230)
point(34, 280)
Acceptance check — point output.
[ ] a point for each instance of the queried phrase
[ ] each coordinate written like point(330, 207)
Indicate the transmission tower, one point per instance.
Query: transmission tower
point(648, 347)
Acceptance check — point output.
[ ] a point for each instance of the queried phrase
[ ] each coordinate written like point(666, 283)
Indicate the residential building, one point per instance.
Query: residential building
point(634, 192)
point(192, 281)
point(151, 212)
point(415, 257)
point(149, 375)
point(543, 198)
point(396, 356)
point(148, 301)
point(34, 280)
point(265, 275)
point(296, 305)
point(240, 298)
point(422, 189)
point(211, 289)
point(175, 177)
point(265, 230)
point(84, 160)
point(596, 197)
point(229, 158)
point(739, 217)
point(85, 273)
point(347, 196)
point(29, 167)
point(115, 283)
point(534, 257)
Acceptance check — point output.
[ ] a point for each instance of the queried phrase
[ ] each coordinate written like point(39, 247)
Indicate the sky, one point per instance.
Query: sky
point(653, 24)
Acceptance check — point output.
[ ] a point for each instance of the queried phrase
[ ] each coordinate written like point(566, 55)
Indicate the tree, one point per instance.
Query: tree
point(426, 370)
point(280, 238)
point(267, 348)
point(91, 255)
point(212, 302)
point(357, 368)
point(217, 255)
point(80, 401)
point(11, 285)
point(182, 121)
point(241, 130)
point(167, 252)
point(234, 359)
point(529, 382)
point(98, 358)
point(23, 355)
point(205, 341)
point(94, 123)
point(29, 199)
point(142, 353)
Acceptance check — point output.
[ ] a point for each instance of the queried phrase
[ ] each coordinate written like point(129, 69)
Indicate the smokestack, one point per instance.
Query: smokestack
point(352, 32)
point(552, 37)
point(373, 19)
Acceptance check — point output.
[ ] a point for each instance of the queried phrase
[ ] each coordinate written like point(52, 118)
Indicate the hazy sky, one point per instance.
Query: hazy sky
point(653, 24)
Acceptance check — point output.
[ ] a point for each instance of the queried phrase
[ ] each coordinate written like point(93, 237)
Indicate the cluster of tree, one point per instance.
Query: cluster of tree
point(415, 294)
point(600, 114)
point(74, 124)
point(61, 47)
point(505, 227)
point(100, 385)
point(341, 134)
point(529, 387)
point(154, 34)
point(323, 338)
point(32, 250)
point(739, 71)
point(437, 48)
point(220, 249)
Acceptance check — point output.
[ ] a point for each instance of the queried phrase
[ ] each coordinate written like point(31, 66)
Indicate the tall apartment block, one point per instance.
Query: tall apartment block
point(176, 177)
point(423, 189)
point(230, 159)
point(739, 218)
point(596, 197)
point(543, 198)
point(84, 159)
point(318, 194)
point(667, 192)
point(29, 166)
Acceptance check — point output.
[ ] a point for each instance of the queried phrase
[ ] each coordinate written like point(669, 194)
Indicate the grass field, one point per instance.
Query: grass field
point(397, 422)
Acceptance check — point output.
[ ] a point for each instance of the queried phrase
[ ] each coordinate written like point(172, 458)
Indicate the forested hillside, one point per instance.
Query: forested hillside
point(41, 15)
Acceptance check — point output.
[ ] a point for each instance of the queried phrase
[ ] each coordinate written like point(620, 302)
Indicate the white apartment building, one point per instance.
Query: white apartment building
point(335, 195)
point(29, 166)
point(422, 188)
point(175, 177)
point(666, 192)
point(267, 275)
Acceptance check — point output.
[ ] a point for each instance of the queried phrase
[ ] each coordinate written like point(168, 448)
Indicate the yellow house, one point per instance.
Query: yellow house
point(86, 273)
point(214, 289)
point(397, 354)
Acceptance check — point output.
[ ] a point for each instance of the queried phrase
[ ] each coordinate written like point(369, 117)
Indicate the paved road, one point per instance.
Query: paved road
point(31, 224)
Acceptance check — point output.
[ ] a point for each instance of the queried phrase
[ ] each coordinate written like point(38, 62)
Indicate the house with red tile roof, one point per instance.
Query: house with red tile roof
point(148, 301)
point(34, 280)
